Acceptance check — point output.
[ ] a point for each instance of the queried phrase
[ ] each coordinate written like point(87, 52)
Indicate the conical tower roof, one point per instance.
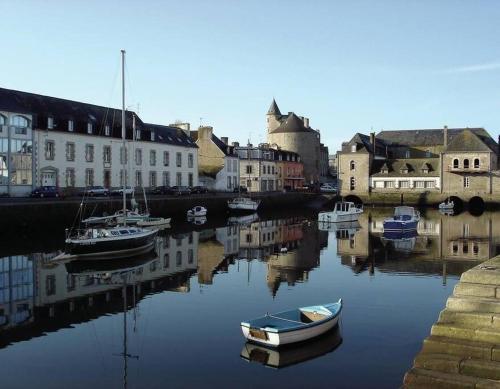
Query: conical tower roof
point(273, 109)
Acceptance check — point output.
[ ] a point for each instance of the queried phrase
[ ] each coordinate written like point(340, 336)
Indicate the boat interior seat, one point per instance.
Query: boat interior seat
point(309, 317)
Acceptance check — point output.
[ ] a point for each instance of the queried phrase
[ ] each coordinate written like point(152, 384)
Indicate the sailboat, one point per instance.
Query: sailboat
point(105, 242)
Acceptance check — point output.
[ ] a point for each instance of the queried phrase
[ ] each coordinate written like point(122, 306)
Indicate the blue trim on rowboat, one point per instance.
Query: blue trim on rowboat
point(274, 323)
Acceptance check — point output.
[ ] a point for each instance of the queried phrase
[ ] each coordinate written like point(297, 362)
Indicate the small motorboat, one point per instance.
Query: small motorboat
point(343, 212)
point(400, 241)
point(292, 326)
point(404, 219)
point(197, 211)
point(159, 222)
point(447, 205)
point(197, 220)
point(243, 204)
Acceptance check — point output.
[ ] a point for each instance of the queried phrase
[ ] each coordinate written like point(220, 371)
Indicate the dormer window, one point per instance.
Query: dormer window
point(71, 126)
point(50, 123)
point(407, 154)
point(425, 170)
point(353, 148)
point(107, 130)
point(152, 136)
point(427, 153)
point(89, 128)
point(137, 134)
point(384, 170)
point(404, 170)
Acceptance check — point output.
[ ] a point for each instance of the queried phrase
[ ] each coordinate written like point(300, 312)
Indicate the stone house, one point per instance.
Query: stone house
point(258, 168)
point(290, 170)
point(218, 164)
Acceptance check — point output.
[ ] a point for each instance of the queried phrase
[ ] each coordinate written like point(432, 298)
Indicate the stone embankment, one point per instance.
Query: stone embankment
point(463, 349)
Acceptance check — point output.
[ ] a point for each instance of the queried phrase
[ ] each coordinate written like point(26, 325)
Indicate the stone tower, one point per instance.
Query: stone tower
point(273, 117)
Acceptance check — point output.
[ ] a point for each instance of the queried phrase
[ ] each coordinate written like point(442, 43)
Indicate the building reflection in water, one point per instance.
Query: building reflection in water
point(442, 244)
point(38, 295)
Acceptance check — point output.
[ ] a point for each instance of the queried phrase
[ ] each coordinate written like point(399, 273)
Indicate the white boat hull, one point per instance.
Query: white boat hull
point(154, 223)
point(275, 339)
point(334, 217)
point(243, 206)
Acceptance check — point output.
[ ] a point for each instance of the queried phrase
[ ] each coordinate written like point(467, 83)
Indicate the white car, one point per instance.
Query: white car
point(119, 191)
point(328, 188)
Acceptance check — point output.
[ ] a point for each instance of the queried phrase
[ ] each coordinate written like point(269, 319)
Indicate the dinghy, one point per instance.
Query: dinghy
point(197, 211)
point(292, 326)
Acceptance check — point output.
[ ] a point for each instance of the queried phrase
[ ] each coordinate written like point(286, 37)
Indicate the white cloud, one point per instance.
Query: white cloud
point(475, 68)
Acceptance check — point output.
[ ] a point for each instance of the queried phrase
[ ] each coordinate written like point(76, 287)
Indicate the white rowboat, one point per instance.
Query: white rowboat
point(292, 326)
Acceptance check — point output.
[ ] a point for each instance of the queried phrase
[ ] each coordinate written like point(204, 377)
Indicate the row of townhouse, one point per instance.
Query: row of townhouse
point(225, 167)
point(455, 161)
point(56, 142)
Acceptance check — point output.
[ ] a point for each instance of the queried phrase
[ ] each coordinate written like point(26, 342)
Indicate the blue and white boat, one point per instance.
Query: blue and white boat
point(404, 219)
point(292, 326)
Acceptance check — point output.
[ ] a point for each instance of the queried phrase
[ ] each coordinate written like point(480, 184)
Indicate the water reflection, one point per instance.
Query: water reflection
point(39, 296)
point(292, 354)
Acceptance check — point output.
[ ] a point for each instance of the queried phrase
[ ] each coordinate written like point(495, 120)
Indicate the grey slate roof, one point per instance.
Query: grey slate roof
point(364, 144)
point(273, 109)
point(468, 140)
point(61, 110)
point(414, 166)
point(292, 124)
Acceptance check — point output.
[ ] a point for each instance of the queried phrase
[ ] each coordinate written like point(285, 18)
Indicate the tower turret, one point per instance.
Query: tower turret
point(273, 117)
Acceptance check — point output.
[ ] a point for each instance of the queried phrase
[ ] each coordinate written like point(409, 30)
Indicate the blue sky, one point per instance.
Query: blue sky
point(349, 66)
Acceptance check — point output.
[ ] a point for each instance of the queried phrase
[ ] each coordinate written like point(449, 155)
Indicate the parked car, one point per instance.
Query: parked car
point(46, 191)
point(181, 190)
point(199, 189)
point(97, 191)
point(119, 191)
point(164, 189)
point(327, 188)
point(241, 189)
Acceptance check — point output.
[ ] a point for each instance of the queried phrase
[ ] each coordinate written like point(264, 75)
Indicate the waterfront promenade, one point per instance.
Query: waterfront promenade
point(463, 349)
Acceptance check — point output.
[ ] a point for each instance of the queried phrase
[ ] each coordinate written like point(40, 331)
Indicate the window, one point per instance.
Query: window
point(352, 183)
point(166, 260)
point(178, 181)
point(228, 182)
point(70, 151)
point(353, 148)
point(404, 184)
point(89, 177)
point(166, 178)
point(476, 163)
point(50, 149)
point(190, 179)
point(454, 248)
point(138, 134)
point(235, 165)
point(19, 121)
point(138, 178)
point(427, 153)
point(466, 182)
point(407, 154)
point(404, 170)
point(352, 165)
point(123, 155)
point(71, 126)
point(106, 154)
point(466, 163)
point(425, 170)
point(190, 256)
point(50, 122)
point(123, 178)
point(273, 170)
point(388, 184)
point(455, 163)
point(190, 160)
point(178, 158)
point(466, 230)
point(430, 184)
point(107, 130)
point(50, 285)
point(89, 153)
point(152, 136)
point(138, 156)
point(178, 258)
point(465, 248)
point(166, 158)
point(90, 128)
point(152, 179)
point(249, 169)
point(70, 177)
point(152, 158)
point(475, 248)
point(420, 184)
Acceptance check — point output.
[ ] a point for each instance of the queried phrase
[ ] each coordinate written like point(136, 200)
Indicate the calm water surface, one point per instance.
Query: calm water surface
point(63, 324)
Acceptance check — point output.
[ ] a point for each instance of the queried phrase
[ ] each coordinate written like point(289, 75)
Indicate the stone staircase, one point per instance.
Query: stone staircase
point(463, 349)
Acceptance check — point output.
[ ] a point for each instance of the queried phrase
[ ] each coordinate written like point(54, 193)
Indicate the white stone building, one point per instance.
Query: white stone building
point(78, 145)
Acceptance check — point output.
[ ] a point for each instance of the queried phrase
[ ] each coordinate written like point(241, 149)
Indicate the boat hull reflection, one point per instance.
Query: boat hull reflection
point(289, 355)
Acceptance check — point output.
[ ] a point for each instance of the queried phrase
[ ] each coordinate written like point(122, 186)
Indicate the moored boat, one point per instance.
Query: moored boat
point(154, 222)
point(344, 211)
point(292, 326)
point(404, 219)
point(447, 205)
point(197, 211)
point(243, 204)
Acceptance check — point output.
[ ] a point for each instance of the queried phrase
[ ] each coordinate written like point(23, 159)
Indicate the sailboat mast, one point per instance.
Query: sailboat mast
point(123, 142)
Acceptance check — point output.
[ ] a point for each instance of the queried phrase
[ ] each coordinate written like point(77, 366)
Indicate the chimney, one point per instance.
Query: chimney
point(306, 122)
point(372, 140)
point(205, 132)
point(445, 136)
point(236, 144)
point(224, 139)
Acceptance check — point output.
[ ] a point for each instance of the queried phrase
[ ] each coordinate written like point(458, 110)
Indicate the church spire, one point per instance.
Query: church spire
point(273, 109)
